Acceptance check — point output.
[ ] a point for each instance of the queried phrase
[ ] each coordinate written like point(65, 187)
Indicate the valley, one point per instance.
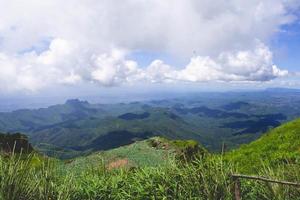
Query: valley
point(79, 128)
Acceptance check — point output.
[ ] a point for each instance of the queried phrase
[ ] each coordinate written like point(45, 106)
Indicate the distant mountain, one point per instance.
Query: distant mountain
point(281, 90)
point(261, 124)
point(133, 116)
point(110, 132)
point(29, 120)
point(77, 127)
point(235, 105)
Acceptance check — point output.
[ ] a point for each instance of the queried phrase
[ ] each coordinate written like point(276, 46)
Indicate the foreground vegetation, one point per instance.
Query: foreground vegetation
point(206, 178)
point(174, 170)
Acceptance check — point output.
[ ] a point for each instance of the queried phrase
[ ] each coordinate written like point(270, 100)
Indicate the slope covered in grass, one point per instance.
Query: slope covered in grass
point(206, 178)
point(280, 145)
point(140, 153)
point(152, 152)
point(149, 169)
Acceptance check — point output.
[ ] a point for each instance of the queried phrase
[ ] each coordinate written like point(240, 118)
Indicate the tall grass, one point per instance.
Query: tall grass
point(35, 178)
point(201, 179)
point(272, 191)
point(26, 177)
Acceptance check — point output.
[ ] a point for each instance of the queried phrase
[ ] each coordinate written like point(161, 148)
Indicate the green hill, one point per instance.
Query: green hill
point(28, 121)
point(153, 152)
point(280, 145)
point(78, 127)
point(153, 168)
point(111, 132)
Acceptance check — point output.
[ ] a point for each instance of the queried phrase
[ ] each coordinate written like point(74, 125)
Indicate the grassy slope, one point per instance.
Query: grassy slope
point(139, 154)
point(280, 145)
point(208, 178)
point(152, 152)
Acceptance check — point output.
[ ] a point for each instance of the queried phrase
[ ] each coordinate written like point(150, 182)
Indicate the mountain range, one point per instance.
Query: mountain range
point(78, 127)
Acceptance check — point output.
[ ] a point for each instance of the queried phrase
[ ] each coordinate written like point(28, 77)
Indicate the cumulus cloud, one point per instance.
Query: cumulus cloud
point(90, 41)
point(32, 71)
point(113, 69)
point(251, 65)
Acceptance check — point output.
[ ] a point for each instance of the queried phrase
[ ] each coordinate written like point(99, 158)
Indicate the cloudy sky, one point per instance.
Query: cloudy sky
point(100, 45)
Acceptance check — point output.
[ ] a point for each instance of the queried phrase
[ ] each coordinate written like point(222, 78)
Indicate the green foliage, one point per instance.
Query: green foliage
point(31, 177)
point(16, 142)
point(36, 178)
point(279, 146)
point(199, 180)
point(207, 176)
point(72, 138)
point(188, 149)
point(139, 154)
point(77, 127)
point(202, 179)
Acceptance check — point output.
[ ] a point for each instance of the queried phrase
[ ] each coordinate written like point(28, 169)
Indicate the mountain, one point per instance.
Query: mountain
point(78, 127)
point(280, 145)
point(27, 120)
point(96, 134)
point(235, 105)
point(281, 90)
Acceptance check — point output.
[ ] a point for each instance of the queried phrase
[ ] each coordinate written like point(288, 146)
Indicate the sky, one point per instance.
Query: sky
point(77, 47)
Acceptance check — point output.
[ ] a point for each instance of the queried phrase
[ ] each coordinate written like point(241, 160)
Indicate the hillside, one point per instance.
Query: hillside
point(153, 152)
point(79, 127)
point(151, 168)
point(280, 145)
point(161, 169)
point(96, 134)
point(28, 120)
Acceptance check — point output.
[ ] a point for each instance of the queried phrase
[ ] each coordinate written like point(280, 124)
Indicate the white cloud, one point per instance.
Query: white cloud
point(158, 71)
point(63, 63)
point(229, 38)
point(113, 69)
point(254, 65)
point(31, 71)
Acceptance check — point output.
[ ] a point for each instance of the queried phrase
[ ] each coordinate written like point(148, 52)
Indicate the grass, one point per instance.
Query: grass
point(280, 145)
point(139, 154)
point(48, 179)
point(32, 177)
point(155, 171)
point(36, 178)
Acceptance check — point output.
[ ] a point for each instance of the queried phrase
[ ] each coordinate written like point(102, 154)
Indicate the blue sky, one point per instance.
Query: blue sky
point(144, 58)
point(287, 47)
point(101, 46)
